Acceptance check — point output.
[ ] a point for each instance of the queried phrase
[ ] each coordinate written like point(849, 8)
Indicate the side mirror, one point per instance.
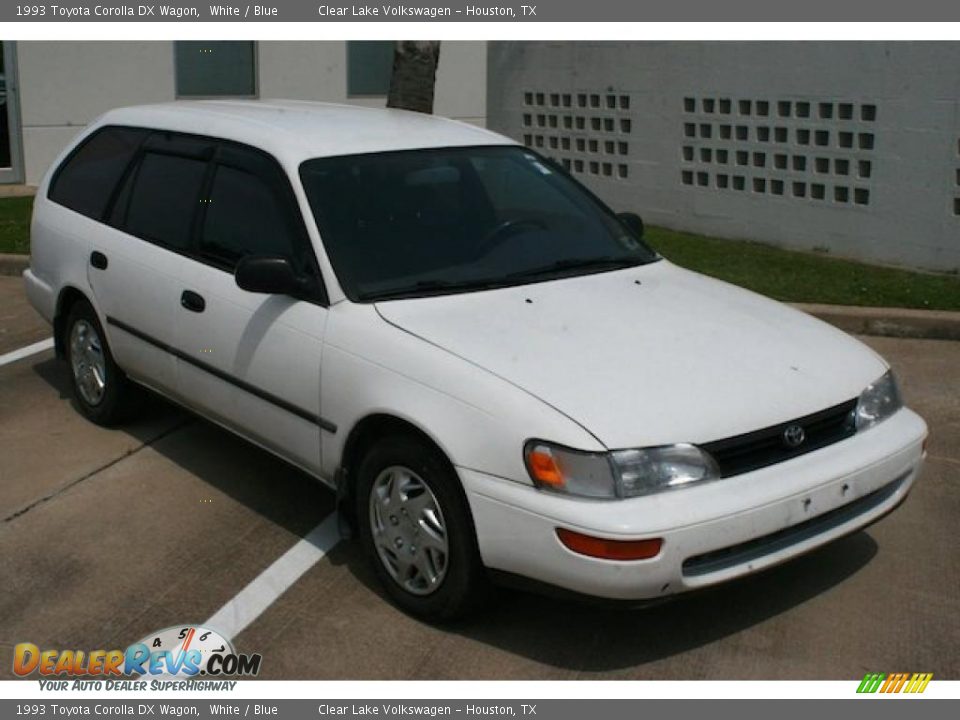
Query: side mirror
point(633, 223)
point(268, 274)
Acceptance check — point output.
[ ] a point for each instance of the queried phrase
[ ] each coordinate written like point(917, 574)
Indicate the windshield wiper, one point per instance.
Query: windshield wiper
point(423, 288)
point(608, 262)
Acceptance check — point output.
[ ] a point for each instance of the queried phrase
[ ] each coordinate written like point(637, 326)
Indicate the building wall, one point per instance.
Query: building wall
point(852, 148)
point(65, 85)
point(317, 71)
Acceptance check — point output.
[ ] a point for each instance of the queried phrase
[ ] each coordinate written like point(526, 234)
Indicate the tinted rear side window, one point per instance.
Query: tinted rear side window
point(165, 196)
point(86, 180)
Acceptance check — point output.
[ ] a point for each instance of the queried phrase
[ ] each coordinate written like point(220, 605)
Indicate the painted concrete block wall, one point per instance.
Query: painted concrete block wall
point(317, 71)
point(461, 90)
point(850, 147)
point(65, 85)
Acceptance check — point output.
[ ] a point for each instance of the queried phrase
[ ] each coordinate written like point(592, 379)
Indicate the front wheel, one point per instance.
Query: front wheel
point(417, 530)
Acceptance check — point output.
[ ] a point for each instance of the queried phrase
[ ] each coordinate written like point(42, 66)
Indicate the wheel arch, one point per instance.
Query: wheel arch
point(364, 435)
point(68, 297)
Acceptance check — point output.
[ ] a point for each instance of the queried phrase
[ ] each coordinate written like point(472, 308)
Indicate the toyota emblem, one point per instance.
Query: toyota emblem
point(794, 436)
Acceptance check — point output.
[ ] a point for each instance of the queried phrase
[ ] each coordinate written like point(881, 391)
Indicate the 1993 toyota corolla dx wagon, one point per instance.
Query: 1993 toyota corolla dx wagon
point(488, 364)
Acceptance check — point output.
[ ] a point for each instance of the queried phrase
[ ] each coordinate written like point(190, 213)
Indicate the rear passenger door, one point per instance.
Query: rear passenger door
point(140, 254)
point(252, 361)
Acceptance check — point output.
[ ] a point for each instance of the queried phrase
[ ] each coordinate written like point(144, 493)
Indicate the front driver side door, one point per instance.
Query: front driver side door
point(252, 361)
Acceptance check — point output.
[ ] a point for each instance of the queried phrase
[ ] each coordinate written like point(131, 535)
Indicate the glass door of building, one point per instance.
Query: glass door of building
point(11, 154)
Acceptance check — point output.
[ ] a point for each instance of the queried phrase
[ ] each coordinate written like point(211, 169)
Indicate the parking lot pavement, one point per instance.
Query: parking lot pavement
point(107, 535)
point(149, 527)
point(19, 324)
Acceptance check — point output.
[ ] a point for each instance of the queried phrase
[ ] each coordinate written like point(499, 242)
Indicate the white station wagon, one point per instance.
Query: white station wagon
point(493, 371)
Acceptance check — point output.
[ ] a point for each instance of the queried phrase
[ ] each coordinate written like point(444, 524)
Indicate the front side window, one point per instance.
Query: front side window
point(88, 177)
point(164, 197)
point(422, 222)
point(243, 217)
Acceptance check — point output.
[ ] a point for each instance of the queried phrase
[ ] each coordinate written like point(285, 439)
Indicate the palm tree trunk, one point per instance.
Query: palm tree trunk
point(414, 73)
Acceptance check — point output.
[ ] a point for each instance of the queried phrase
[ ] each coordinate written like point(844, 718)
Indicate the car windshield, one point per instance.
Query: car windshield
point(448, 220)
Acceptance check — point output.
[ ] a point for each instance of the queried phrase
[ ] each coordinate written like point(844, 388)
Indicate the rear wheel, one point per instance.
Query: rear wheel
point(417, 530)
point(100, 388)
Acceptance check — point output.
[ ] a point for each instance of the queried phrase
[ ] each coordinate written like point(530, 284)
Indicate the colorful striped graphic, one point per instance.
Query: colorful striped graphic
point(895, 682)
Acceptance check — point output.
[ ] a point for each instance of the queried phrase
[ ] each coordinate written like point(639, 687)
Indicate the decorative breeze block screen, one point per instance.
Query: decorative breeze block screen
point(587, 132)
point(816, 151)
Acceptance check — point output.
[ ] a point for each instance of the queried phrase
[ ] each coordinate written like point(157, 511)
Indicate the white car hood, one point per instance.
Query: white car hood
point(649, 355)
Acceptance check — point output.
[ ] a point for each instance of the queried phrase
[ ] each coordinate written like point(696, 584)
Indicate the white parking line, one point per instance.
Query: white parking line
point(269, 585)
point(27, 351)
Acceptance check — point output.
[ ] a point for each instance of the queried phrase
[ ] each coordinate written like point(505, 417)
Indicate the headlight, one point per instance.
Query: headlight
point(651, 470)
point(878, 402)
point(617, 474)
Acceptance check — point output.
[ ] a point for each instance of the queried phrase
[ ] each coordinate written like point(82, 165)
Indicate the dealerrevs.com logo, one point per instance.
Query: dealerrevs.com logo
point(172, 658)
point(910, 683)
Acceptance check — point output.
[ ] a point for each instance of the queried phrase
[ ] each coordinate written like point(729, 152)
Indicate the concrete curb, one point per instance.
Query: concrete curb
point(7, 191)
point(13, 264)
point(888, 322)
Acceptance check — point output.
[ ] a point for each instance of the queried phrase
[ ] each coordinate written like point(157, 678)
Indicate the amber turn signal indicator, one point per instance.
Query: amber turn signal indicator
point(544, 468)
point(609, 549)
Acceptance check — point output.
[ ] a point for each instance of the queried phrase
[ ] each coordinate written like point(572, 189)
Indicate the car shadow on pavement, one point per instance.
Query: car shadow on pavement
point(565, 634)
point(597, 638)
point(603, 637)
point(247, 474)
point(151, 407)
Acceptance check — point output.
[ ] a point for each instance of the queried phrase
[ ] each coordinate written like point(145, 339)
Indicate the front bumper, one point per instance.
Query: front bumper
point(713, 533)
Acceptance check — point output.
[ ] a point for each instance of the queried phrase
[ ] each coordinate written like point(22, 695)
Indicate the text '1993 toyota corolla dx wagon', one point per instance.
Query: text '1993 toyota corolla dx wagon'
point(495, 373)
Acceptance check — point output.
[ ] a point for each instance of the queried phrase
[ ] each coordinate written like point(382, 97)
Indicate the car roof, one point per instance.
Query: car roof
point(294, 131)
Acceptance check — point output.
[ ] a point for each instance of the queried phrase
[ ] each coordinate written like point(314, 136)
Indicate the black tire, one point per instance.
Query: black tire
point(464, 586)
point(115, 404)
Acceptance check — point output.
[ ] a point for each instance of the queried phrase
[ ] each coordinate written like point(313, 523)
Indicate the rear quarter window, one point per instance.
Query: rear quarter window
point(87, 178)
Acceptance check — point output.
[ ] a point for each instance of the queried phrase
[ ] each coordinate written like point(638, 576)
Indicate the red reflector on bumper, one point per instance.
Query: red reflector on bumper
point(610, 549)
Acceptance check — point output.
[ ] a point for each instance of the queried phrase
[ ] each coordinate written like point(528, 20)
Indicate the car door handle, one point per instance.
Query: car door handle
point(192, 301)
point(98, 260)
